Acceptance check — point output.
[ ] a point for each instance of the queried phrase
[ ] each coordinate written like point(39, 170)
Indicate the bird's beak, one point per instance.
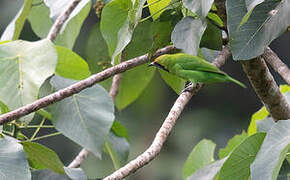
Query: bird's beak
point(151, 64)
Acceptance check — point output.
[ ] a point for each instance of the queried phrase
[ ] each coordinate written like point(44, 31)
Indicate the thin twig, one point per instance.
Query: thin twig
point(266, 88)
point(165, 129)
point(56, 27)
point(277, 64)
point(79, 86)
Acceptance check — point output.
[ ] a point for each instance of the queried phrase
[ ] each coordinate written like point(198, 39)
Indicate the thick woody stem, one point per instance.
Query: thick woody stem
point(266, 88)
point(277, 64)
point(165, 129)
point(56, 27)
point(79, 86)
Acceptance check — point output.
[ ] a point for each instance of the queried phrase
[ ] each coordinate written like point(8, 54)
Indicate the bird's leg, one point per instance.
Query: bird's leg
point(188, 87)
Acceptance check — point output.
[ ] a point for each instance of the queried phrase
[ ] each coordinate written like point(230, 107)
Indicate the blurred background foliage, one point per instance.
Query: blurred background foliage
point(217, 112)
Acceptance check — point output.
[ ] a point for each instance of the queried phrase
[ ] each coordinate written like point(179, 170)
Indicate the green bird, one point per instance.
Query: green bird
point(192, 68)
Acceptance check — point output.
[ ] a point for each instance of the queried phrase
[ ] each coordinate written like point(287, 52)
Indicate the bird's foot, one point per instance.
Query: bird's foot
point(188, 87)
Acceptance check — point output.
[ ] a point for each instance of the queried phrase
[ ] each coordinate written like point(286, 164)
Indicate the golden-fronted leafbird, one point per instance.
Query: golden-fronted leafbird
point(192, 68)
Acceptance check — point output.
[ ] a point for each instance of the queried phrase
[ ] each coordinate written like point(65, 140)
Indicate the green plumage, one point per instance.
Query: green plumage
point(193, 68)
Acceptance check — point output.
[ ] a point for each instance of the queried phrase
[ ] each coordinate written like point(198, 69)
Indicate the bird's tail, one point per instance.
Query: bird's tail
point(237, 82)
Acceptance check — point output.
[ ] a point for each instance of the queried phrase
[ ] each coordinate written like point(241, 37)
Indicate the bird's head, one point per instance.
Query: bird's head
point(160, 62)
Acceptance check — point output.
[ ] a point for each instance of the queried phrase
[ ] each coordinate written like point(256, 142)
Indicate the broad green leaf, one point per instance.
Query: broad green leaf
point(237, 166)
point(265, 125)
point(257, 116)
point(75, 173)
point(39, 19)
point(141, 75)
point(156, 7)
point(212, 37)
point(119, 18)
point(41, 157)
point(187, 34)
point(120, 130)
point(284, 88)
point(160, 32)
point(118, 150)
point(233, 142)
point(267, 21)
point(72, 26)
point(200, 156)
point(86, 117)
point(3, 108)
point(176, 83)
point(133, 82)
point(24, 66)
point(13, 30)
point(199, 7)
point(208, 54)
point(272, 152)
point(208, 172)
point(48, 175)
point(13, 162)
point(70, 65)
point(97, 54)
point(215, 18)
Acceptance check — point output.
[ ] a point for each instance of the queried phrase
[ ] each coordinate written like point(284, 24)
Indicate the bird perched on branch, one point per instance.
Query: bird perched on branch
point(192, 68)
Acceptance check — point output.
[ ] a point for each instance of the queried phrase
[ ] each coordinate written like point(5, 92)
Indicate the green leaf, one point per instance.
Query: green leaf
point(272, 152)
point(212, 37)
point(157, 7)
point(48, 175)
point(133, 82)
point(251, 4)
point(200, 156)
point(13, 30)
point(199, 7)
point(141, 75)
point(86, 117)
point(267, 22)
point(24, 66)
point(187, 34)
point(237, 166)
point(176, 83)
point(208, 54)
point(265, 124)
point(208, 172)
point(257, 116)
point(97, 54)
point(72, 26)
point(119, 18)
point(41, 157)
point(3, 108)
point(232, 143)
point(119, 130)
point(75, 173)
point(39, 19)
point(70, 65)
point(118, 150)
point(13, 162)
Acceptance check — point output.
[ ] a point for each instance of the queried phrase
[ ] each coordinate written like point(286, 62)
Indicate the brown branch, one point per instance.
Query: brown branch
point(83, 154)
point(79, 86)
point(56, 27)
point(266, 88)
point(165, 129)
point(277, 64)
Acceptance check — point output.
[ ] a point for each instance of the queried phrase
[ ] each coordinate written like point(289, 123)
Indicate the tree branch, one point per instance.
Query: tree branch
point(56, 27)
point(277, 64)
point(79, 86)
point(165, 129)
point(266, 88)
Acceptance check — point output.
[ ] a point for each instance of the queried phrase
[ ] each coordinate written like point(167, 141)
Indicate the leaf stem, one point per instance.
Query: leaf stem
point(44, 113)
point(45, 136)
point(38, 128)
point(115, 161)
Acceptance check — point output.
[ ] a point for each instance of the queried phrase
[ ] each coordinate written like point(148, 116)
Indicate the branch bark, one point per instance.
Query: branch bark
point(56, 27)
point(277, 64)
point(166, 127)
point(266, 88)
point(79, 86)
